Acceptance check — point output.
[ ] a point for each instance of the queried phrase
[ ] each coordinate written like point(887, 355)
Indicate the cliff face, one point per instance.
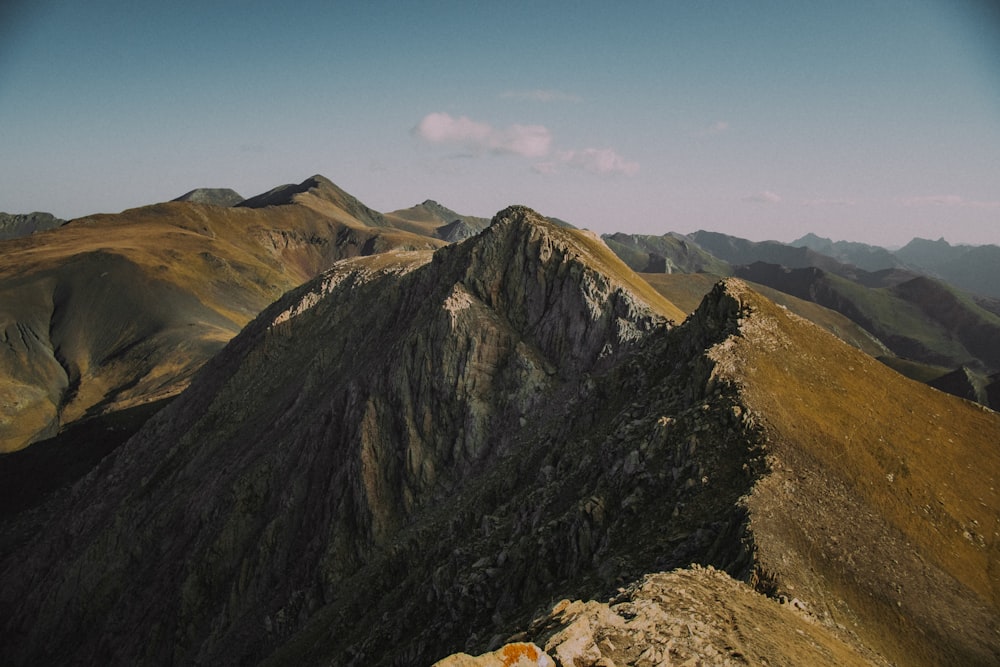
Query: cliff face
point(414, 454)
point(406, 428)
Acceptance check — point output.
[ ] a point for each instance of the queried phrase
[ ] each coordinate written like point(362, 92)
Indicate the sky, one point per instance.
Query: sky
point(872, 121)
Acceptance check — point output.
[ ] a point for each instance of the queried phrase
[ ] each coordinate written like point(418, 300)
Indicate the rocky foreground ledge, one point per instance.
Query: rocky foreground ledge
point(692, 616)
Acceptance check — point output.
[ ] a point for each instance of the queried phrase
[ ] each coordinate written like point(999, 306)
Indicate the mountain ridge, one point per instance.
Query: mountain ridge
point(514, 423)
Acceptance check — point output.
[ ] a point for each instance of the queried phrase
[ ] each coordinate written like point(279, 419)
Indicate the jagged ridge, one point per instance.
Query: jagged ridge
point(513, 399)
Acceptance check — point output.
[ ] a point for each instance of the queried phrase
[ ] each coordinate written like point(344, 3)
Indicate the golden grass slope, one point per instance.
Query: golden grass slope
point(881, 510)
point(111, 311)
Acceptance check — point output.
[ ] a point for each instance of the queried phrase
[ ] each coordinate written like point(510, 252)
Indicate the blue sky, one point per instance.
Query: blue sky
point(873, 121)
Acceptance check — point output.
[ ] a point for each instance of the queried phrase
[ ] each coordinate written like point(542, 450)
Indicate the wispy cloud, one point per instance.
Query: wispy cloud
point(477, 138)
point(526, 140)
point(765, 197)
point(539, 95)
point(948, 200)
point(599, 161)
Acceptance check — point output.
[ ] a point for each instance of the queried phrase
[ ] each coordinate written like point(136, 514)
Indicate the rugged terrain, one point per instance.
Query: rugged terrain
point(112, 311)
point(416, 454)
point(904, 315)
point(16, 225)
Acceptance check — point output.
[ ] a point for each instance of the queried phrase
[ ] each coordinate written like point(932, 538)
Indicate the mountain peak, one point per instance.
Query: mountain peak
point(318, 192)
point(213, 196)
point(286, 194)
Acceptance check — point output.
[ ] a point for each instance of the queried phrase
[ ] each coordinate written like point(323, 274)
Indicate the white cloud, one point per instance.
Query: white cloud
point(525, 140)
point(948, 200)
point(540, 96)
point(599, 161)
point(530, 141)
point(765, 197)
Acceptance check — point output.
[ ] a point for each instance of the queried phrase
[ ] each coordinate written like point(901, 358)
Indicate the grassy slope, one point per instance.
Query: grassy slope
point(688, 289)
point(116, 310)
point(882, 508)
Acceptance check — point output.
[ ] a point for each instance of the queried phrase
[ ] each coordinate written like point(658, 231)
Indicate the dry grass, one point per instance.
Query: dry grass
point(146, 296)
point(915, 471)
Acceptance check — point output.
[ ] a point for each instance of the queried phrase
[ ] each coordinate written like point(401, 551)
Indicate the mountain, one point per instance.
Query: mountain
point(433, 219)
point(974, 269)
point(864, 256)
point(921, 319)
point(416, 454)
point(741, 252)
point(670, 253)
point(213, 196)
point(16, 225)
point(912, 322)
point(112, 311)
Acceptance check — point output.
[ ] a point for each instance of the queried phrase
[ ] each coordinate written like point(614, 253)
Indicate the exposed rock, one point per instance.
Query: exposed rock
point(509, 655)
point(413, 455)
point(213, 196)
point(457, 230)
point(693, 616)
point(16, 225)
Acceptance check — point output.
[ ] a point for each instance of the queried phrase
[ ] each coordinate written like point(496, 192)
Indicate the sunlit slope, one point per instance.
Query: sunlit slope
point(114, 310)
point(882, 505)
point(687, 290)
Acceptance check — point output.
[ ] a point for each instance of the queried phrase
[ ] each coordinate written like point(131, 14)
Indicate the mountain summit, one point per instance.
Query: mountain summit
point(418, 453)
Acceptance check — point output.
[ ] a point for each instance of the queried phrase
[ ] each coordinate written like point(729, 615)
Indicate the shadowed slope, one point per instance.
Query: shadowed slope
point(412, 455)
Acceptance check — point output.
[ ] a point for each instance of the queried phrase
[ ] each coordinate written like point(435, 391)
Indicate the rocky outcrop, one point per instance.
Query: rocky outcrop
point(213, 196)
point(16, 225)
point(415, 455)
point(456, 230)
point(492, 433)
point(518, 654)
point(691, 616)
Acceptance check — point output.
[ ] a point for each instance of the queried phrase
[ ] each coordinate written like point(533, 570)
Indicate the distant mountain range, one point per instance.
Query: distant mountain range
point(298, 431)
point(927, 326)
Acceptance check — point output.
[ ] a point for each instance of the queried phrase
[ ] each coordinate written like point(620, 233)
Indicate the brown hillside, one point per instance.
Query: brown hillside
point(115, 310)
point(416, 454)
point(881, 508)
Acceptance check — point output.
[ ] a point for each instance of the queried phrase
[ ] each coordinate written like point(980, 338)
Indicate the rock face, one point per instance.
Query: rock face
point(691, 616)
point(213, 196)
point(511, 655)
point(16, 225)
point(415, 454)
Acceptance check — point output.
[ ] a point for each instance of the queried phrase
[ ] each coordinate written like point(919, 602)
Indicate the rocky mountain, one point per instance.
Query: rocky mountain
point(741, 252)
point(864, 256)
point(213, 196)
point(670, 253)
point(920, 319)
point(112, 311)
point(16, 225)
point(416, 454)
point(974, 269)
point(915, 323)
point(432, 219)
